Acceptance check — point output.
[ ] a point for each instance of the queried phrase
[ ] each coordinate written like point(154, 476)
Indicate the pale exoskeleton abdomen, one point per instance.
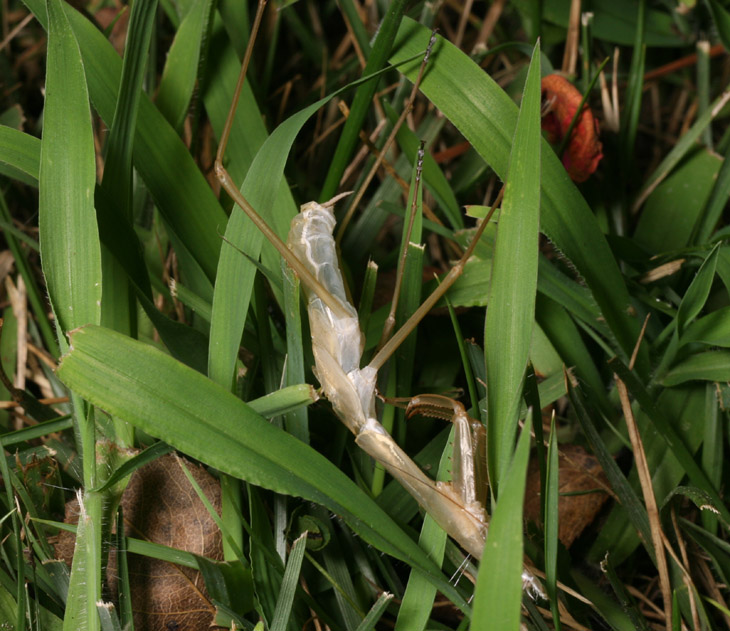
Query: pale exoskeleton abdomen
point(337, 343)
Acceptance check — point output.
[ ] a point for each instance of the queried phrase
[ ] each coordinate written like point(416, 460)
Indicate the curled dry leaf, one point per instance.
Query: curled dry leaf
point(580, 484)
point(161, 506)
point(584, 151)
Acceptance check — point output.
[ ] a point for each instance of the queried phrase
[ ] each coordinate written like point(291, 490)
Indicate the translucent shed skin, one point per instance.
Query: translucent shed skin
point(337, 343)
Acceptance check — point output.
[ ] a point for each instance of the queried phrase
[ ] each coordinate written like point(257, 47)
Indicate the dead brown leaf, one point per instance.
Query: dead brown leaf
point(161, 506)
point(579, 472)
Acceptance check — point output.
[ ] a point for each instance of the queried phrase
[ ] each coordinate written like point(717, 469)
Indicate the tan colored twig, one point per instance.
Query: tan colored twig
point(686, 576)
point(463, 19)
point(570, 55)
point(652, 509)
point(490, 21)
point(662, 271)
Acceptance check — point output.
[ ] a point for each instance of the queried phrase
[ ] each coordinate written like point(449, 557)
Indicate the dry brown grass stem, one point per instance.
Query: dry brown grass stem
point(572, 42)
point(490, 21)
point(642, 467)
point(461, 29)
point(687, 578)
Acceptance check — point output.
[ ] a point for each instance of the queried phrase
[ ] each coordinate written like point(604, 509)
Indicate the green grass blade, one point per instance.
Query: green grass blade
point(570, 294)
point(612, 612)
point(498, 592)
point(628, 603)
point(266, 190)
point(703, 86)
point(712, 212)
point(620, 532)
point(707, 366)
point(76, 614)
point(713, 450)
point(340, 577)
point(191, 300)
point(237, 20)
point(486, 116)
point(119, 307)
point(108, 617)
point(410, 296)
point(123, 588)
point(117, 180)
point(181, 66)
point(165, 398)
point(511, 310)
point(130, 466)
point(415, 608)
point(630, 118)
point(552, 488)
point(620, 485)
point(296, 421)
point(680, 149)
point(19, 155)
point(35, 431)
point(363, 98)
point(679, 203)
point(172, 177)
point(229, 583)
point(698, 292)
point(119, 237)
point(692, 303)
point(71, 261)
point(721, 17)
point(375, 613)
point(19, 560)
point(69, 237)
point(567, 340)
point(433, 178)
point(615, 21)
point(267, 567)
point(284, 400)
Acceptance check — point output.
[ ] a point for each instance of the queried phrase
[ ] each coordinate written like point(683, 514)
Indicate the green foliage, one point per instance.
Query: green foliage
point(218, 366)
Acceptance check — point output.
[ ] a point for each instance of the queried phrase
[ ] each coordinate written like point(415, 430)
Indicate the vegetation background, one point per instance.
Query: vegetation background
point(115, 222)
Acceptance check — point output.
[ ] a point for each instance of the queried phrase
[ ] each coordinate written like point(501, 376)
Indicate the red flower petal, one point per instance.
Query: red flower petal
point(583, 153)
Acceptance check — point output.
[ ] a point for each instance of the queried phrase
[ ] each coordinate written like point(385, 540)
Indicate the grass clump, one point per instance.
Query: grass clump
point(147, 322)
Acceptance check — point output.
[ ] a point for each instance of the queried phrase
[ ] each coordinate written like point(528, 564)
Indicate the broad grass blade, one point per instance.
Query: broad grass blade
point(19, 155)
point(707, 366)
point(181, 67)
point(167, 399)
point(69, 237)
point(510, 314)
point(71, 261)
point(499, 587)
point(289, 584)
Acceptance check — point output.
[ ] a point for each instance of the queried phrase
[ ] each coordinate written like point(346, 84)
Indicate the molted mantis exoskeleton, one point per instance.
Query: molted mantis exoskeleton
point(458, 506)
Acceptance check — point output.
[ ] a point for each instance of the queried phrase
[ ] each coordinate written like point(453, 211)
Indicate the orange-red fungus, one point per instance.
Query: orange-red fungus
point(584, 151)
